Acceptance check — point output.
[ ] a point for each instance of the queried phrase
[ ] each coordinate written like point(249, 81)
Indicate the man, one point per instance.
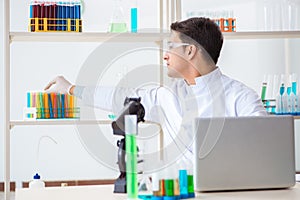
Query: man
point(201, 90)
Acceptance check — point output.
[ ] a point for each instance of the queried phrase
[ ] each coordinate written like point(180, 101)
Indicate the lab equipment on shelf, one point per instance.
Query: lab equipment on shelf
point(41, 105)
point(223, 18)
point(62, 16)
point(134, 16)
point(280, 96)
point(117, 23)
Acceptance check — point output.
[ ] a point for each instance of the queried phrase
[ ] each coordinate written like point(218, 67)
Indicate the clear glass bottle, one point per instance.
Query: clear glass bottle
point(117, 23)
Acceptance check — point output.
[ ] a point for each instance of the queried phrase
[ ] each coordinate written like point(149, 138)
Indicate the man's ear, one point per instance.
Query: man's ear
point(191, 51)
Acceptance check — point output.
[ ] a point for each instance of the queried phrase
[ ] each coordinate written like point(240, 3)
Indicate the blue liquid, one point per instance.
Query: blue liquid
point(294, 87)
point(281, 90)
point(289, 89)
point(183, 183)
point(133, 20)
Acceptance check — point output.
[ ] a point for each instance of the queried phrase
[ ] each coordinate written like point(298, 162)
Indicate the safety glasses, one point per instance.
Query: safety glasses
point(173, 45)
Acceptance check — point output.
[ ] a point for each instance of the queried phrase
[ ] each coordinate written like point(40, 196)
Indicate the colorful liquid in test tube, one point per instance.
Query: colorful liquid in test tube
point(183, 182)
point(134, 16)
point(131, 155)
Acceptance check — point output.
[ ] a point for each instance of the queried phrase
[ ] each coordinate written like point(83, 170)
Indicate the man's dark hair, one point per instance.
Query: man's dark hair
point(202, 30)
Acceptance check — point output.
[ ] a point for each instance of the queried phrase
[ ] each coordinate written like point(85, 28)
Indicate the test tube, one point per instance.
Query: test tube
point(171, 183)
point(183, 183)
point(186, 178)
point(294, 83)
point(29, 102)
point(131, 155)
point(298, 100)
point(134, 16)
point(283, 92)
point(264, 88)
point(72, 15)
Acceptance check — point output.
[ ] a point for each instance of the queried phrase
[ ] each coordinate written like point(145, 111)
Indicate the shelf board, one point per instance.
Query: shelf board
point(86, 37)
point(58, 122)
point(136, 37)
point(71, 122)
point(262, 35)
point(50, 122)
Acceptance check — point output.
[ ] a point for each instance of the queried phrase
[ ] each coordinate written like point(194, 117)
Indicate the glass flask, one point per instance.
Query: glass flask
point(117, 23)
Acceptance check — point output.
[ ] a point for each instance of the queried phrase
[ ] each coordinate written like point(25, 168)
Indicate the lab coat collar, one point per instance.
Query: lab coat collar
point(204, 80)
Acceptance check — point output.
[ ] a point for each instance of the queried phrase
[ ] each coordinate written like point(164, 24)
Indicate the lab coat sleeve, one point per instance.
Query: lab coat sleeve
point(106, 98)
point(249, 104)
point(112, 98)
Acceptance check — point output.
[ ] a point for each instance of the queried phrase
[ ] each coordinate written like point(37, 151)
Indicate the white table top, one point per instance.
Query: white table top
point(106, 192)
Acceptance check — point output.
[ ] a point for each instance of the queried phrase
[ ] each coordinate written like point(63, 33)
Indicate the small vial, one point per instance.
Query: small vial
point(171, 188)
point(186, 179)
point(134, 17)
point(183, 183)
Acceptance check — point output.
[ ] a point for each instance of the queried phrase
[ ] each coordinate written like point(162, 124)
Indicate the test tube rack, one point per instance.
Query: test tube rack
point(51, 106)
point(62, 16)
point(55, 25)
point(226, 24)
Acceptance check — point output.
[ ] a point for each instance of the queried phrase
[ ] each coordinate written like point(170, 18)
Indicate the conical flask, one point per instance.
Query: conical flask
point(117, 23)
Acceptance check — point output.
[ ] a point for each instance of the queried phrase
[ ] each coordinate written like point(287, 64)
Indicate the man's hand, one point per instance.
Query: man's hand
point(59, 85)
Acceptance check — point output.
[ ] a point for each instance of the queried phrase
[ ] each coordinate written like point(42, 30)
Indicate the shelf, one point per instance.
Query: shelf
point(58, 122)
point(86, 37)
point(262, 35)
point(63, 122)
point(135, 37)
point(73, 122)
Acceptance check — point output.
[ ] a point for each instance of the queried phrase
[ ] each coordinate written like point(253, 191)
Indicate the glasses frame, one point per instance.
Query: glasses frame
point(173, 45)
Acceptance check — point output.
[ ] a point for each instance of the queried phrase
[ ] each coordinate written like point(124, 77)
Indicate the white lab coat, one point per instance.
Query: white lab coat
point(175, 107)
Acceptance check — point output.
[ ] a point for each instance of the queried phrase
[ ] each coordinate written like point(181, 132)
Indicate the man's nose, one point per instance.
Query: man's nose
point(166, 56)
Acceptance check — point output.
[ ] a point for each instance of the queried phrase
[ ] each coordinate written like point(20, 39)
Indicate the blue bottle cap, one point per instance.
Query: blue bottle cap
point(36, 176)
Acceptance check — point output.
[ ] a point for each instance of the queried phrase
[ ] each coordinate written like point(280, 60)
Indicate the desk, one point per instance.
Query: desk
point(105, 192)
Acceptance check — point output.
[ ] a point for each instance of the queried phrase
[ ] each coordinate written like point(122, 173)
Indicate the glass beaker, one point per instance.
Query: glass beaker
point(117, 23)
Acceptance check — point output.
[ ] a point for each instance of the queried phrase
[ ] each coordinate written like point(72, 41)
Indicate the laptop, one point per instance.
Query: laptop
point(242, 153)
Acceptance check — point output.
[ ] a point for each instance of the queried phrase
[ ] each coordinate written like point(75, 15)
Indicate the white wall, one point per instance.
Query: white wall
point(246, 60)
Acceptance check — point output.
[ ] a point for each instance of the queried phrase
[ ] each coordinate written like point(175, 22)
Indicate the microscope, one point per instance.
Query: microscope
point(132, 106)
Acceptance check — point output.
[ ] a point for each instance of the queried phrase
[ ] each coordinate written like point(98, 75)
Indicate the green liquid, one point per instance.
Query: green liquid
point(169, 187)
point(190, 183)
point(263, 91)
point(131, 166)
point(117, 27)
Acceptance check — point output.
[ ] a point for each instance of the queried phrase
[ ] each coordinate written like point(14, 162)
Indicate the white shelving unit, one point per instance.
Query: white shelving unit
point(168, 9)
point(10, 37)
